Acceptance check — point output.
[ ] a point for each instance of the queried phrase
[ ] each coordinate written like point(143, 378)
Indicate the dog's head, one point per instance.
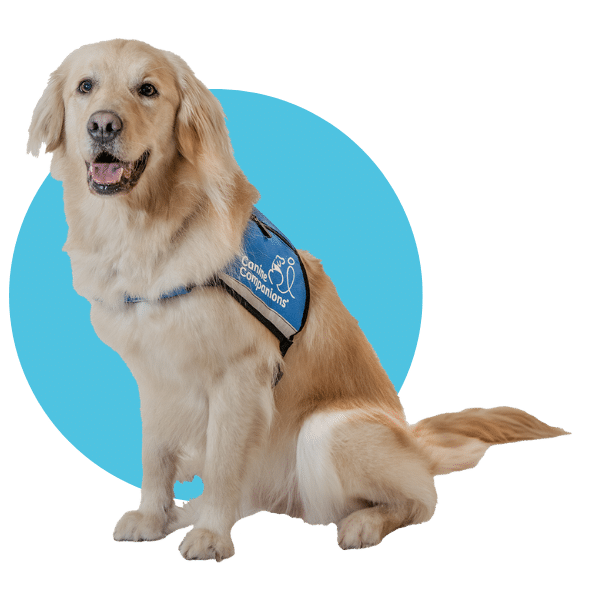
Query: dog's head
point(118, 115)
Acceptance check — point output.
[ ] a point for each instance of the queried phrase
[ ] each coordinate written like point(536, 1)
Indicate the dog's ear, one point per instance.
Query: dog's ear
point(48, 118)
point(200, 126)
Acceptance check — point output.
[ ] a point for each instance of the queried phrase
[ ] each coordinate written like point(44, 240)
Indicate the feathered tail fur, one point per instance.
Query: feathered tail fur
point(457, 441)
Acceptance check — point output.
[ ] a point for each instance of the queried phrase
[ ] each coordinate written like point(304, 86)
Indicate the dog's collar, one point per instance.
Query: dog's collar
point(268, 279)
point(179, 291)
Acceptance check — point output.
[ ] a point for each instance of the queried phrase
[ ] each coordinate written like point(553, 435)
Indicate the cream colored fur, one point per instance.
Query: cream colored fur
point(330, 443)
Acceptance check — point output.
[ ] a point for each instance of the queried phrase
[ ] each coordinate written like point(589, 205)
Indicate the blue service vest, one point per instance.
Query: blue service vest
point(267, 278)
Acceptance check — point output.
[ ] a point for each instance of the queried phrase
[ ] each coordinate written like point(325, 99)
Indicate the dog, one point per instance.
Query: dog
point(155, 201)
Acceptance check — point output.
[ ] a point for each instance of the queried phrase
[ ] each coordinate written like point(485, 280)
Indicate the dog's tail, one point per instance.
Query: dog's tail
point(457, 441)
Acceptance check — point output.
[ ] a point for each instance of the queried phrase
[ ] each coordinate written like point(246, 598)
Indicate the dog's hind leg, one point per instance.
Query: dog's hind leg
point(365, 473)
point(368, 526)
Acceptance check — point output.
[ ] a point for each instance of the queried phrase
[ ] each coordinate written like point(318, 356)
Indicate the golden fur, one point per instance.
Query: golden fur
point(329, 443)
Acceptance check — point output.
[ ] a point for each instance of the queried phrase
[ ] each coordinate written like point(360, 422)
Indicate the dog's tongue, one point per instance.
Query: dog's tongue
point(106, 173)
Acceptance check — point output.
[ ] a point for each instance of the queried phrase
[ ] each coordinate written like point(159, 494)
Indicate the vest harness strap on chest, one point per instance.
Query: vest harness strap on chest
point(267, 278)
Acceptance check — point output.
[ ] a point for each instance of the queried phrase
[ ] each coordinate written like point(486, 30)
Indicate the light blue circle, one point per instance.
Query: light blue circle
point(316, 185)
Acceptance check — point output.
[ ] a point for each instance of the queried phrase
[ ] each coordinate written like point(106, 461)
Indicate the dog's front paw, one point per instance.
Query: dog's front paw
point(202, 544)
point(135, 526)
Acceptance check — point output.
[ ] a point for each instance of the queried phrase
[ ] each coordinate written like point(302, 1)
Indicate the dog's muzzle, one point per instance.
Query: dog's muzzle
point(107, 174)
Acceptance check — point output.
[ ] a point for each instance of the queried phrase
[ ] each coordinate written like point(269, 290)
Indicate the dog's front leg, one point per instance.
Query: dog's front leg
point(239, 417)
point(157, 508)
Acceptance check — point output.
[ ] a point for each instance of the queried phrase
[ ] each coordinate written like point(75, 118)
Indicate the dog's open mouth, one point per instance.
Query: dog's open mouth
point(108, 175)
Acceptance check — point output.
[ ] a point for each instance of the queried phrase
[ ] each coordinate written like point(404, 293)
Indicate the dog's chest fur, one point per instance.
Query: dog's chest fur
point(188, 355)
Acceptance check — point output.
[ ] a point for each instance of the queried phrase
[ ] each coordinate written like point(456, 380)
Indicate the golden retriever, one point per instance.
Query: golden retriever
point(154, 200)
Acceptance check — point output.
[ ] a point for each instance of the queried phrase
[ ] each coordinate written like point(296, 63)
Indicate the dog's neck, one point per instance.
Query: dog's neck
point(118, 250)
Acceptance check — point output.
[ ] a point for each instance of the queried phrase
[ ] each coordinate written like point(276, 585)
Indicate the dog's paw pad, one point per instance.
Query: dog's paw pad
point(135, 526)
point(201, 544)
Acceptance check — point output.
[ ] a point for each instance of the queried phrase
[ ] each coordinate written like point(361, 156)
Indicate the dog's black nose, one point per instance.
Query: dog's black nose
point(104, 126)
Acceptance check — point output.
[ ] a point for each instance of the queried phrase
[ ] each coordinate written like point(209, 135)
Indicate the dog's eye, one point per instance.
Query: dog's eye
point(85, 87)
point(147, 89)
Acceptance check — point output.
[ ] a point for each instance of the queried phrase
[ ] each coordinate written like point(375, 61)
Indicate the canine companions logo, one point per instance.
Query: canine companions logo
point(290, 274)
point(256, 275)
